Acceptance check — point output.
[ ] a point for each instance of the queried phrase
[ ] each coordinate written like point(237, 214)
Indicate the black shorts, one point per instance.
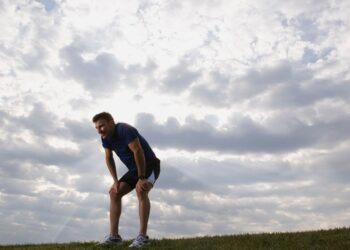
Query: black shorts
point(152, 174)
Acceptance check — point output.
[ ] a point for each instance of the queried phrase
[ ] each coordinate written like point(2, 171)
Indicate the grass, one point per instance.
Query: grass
point(336, 239)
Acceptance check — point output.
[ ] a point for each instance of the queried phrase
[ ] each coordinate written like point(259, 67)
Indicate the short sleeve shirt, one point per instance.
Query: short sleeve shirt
point(118, 142)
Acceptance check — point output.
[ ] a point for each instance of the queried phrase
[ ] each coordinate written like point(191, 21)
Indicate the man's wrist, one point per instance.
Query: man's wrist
point(141, 177)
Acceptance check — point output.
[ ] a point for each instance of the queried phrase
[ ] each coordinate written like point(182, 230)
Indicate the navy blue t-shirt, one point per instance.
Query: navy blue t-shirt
point(123, 135)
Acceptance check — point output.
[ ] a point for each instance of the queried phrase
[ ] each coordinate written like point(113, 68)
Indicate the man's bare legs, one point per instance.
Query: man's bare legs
point(116, 206)
point(144, 208)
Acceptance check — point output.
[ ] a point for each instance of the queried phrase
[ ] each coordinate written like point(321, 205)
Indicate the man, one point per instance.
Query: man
point(144, 168)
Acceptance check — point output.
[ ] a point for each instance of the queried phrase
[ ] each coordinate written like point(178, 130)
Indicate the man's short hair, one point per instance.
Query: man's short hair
point(104, 115)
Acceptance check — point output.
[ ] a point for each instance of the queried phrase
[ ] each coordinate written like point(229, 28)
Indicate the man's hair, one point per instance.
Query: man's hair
point(104, 115)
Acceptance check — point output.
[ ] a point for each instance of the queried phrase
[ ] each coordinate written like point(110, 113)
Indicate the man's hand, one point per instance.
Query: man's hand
point(143, 185)
point(114, 188)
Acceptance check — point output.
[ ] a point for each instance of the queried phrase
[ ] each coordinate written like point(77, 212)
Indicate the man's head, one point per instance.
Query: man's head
point(104, 124)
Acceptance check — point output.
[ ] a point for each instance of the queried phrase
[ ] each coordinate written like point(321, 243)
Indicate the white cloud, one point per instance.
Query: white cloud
point(246, 103)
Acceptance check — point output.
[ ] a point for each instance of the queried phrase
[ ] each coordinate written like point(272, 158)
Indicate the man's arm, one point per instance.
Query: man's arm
point(139, 156)
point(111, 164)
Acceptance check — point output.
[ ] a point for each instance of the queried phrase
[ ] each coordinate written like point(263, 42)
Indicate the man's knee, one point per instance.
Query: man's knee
point(116, 195)
point(142, 194)
point(122, 190)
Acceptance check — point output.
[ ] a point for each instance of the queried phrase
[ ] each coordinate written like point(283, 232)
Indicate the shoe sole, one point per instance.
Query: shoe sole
point(145, 244)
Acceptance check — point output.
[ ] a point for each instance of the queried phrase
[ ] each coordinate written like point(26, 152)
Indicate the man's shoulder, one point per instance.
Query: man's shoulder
point(126, 132)
point(123, 127)
point(123, 124)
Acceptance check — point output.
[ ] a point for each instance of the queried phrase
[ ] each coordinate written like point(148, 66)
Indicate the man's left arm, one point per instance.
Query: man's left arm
point(140, 160)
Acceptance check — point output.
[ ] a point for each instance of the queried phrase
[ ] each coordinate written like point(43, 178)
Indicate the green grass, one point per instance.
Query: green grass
point(336, 239)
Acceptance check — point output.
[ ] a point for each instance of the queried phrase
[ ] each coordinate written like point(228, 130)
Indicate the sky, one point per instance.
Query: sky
point(246, 103)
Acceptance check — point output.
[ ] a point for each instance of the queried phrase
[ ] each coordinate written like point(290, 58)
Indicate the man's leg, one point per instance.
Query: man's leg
point(144, 208)
point(116, 206)
point(142, 194)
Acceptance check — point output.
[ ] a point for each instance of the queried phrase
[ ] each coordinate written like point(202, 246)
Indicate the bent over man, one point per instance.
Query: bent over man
point(144, 168)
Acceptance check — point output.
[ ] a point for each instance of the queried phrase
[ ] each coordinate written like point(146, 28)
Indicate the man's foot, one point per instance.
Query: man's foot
point(140, 241)
point(113, 240)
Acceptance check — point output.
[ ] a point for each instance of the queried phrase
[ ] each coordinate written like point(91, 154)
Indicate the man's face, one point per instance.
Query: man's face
point(104, 128)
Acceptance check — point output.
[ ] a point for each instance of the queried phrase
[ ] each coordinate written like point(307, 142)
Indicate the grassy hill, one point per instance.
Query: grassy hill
point(336, 239)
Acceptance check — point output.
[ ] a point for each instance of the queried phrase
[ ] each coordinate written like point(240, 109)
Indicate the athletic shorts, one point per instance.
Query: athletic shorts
point(152, 174)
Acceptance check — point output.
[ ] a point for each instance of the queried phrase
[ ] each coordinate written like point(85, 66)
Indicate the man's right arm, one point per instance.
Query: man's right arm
point(111, 164)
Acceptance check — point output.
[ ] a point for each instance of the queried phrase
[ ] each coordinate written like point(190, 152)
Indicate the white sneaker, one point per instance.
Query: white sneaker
point(140, 241)
point(113, 240)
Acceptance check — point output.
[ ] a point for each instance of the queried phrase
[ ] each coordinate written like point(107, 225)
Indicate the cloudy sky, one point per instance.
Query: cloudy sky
point(245, 102)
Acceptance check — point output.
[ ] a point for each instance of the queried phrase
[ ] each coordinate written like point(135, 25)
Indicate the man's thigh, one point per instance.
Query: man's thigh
point(123, 188)
point(129, 179)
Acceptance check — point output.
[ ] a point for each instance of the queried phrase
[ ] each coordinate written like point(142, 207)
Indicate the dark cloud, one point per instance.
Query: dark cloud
point(309, 56)
point(12, 186)
point(101, 74)
point(283, 72)
point(43, 123)
point(315, 91)
point(42, 153)
point(80, 131)
point(224, 90)
point(224, 173)
point(242, 135)
point(212, 93)
point(104, 73)
point(312, 56)
point(309, 28)
point(333, 167)
point(39, 121)
point(285, 85)
point(179, 78)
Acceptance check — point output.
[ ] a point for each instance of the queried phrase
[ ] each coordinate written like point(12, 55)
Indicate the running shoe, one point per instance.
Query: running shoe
point(113, 240)
point(140, 241)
